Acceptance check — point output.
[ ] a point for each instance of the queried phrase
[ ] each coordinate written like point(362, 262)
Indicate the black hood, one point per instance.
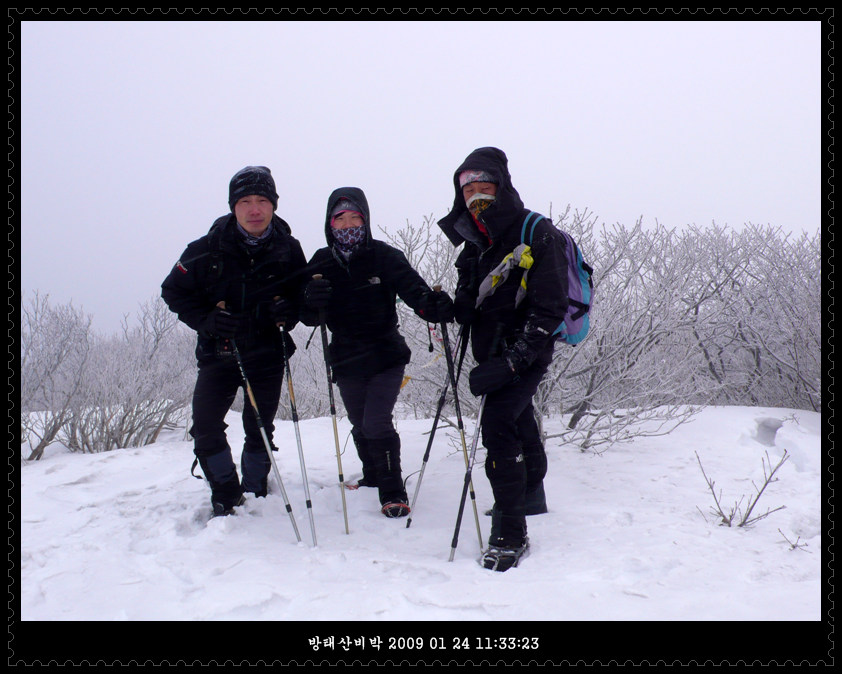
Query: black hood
point(356, 195)
point(458, 225)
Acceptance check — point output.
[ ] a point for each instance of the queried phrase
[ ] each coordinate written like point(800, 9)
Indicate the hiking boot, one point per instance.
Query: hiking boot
point(395, 508)
point(504, 557)
point(221, 510)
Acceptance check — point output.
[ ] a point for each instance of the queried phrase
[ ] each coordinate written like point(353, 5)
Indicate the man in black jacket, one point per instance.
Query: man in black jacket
point(511, 336)
point(235, 286)
point(361, 279)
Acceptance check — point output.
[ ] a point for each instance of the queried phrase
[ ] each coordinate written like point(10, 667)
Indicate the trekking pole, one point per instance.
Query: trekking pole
point(294, 413)
point(467, 482)
point(266, 442)
point(439, 408)
point(326, 354)
point(451, 373)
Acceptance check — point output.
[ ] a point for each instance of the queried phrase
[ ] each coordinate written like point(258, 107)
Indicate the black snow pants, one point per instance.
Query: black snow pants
point(216, 387)
point(516, 462)
point(369, 402)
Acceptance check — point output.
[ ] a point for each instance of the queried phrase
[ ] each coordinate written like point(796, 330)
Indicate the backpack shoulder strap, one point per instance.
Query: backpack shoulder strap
point(528, 229)
point(215, 246)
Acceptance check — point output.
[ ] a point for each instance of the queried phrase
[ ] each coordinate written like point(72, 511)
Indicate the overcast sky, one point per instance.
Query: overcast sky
point(130, 131)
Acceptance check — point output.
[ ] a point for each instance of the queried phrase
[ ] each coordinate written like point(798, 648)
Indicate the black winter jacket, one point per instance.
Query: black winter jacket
point(361, 315)
point(220, 266)
point(498, 324)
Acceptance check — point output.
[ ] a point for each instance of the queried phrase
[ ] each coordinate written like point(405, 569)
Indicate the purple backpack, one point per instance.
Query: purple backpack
point(574, 328)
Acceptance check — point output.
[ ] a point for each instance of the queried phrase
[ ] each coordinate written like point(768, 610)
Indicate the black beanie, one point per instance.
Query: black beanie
point(252, 180)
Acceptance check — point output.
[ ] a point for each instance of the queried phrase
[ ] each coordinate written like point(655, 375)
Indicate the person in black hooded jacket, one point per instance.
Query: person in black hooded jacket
point(361, 279)
point(235, 285)
point(511, 337)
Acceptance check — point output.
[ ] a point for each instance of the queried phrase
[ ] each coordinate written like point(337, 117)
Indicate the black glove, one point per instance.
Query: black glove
point(284, 313)
point(464, 310)
point(222, 323)
point(491, 375)
point(519, 356)
point(437, 308)
point(317, 293)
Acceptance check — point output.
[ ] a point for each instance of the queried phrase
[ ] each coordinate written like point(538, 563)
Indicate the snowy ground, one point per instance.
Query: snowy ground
point(126, 536)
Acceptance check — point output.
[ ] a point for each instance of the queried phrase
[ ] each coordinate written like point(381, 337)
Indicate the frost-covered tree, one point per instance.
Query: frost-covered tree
point(55, 346)
point(776, 326)
point(137, 383)
point(628, 378)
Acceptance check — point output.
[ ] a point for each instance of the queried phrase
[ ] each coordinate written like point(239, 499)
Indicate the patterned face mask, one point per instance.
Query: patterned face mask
point(479, 202)
point(349, 237)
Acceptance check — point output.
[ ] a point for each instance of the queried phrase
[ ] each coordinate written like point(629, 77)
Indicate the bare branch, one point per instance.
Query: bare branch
point(747, 520)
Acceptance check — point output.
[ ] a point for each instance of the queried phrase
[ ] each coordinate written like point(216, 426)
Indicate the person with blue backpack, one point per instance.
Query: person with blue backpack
point(512, 296)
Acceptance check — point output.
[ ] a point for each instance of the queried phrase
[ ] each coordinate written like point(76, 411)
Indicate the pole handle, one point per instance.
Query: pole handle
point(281, 323)
point(318, 277)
